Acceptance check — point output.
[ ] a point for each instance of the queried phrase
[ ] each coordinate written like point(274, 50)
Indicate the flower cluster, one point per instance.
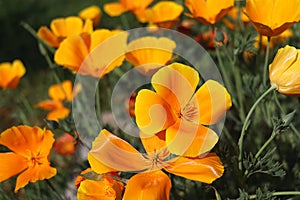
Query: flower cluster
point(178, 110)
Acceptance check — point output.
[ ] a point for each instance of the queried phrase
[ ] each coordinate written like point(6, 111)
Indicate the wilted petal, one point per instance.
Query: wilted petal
point(148, 186)
point(204, 169)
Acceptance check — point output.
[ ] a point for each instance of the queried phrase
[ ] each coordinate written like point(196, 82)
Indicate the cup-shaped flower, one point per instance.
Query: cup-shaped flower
point(117, 8)
point(11, 73)
point(164, 14)
point(276, 40)
point(272, 17)
point(284, 72)
point(148, 54)
point(93, 13)
point(61, 28)
point(209, 11)
point(178, 108)
point(58, 93)
point(92, 54)
point(99, 187)
point(31, 147)
point(110, 153)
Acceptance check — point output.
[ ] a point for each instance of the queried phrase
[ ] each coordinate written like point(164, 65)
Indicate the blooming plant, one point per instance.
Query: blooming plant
point(151, 100)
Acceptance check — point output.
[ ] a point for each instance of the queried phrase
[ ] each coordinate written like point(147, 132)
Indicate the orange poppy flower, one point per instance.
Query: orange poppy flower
point(58, 93)
point(272, 17)
point(117, 8)
point(110, 153)
point(61, 28)
point(65, 144)
point(284, 72)
point(93, 13)
point(181, 111)
point(164, 14)
point(11, 73)
point(80, 53)
point(106, 188)
point(209, 11)
point(148, 54)
point(31, 147)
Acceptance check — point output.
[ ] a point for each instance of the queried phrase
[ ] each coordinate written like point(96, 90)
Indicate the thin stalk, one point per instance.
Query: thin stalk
point(283, 193)
point(246, 123)
point(266, 62)
point(283, 111)
point(54, 190)
point(34, 34)
point(223, 71)
point(98, 105)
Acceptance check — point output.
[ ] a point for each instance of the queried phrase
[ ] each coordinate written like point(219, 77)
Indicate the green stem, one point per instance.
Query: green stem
point(283, 193)
point(283, 111)
point(246, 123)
point(54, 190)
point(34, 34)
point(125, 22)
point(223, 71)
point(98, 105)
point(265, 145)
point(266, 62)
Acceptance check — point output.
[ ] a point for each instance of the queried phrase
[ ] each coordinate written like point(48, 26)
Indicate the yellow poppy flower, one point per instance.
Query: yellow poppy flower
point(272, 17)
point(61, 28)
point(80, 53)
point(110, 153)
point(148, 54)
point(31, 147)
point(284, 72)
point(93, 13)
point(11, 73)
point(181, 111)
point(58, 93)
point(164, 14)
point(117, 8)
point(209, 11)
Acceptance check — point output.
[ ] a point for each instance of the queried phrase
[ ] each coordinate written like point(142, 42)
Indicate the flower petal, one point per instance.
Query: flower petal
point(166, 80)
point(95, 190)
point(64, 27)
point(48, 36)
point(153, 113)
point(61, 92)
point(205, 169)
point(11, 164)
point(154, 143)
point(189, 139)
point(148, 186)
point(116, 154)
point(114, 9)
point(57, 114)
point(72, 51)
point(148, 54)
point(25, 140)
point(212, 101)
point(33, 174)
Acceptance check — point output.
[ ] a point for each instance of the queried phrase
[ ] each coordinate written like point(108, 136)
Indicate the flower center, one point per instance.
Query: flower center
point(189, 112)
point(34, 160)
point(157, 159)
